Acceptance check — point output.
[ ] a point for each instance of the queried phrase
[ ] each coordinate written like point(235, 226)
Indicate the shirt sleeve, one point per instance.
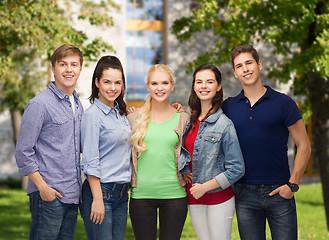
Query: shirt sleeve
point(90, 144)
point(28, 135)
point(291, 113)
point(234, 164)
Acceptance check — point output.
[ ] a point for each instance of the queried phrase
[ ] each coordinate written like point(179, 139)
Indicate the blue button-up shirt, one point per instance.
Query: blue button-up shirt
point(49, 142)
point(106, 151)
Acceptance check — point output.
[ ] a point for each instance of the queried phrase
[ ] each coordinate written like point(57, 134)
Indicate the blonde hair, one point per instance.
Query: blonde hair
point(139, 126)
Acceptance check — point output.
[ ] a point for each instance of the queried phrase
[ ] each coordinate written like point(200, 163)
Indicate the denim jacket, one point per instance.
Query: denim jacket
point(216, 153)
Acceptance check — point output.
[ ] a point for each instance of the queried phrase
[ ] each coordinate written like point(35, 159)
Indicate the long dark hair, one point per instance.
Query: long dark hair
point(105, 63)
point(194, 101)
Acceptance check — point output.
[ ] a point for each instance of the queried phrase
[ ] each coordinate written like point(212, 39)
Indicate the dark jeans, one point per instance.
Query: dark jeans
point(172, 215)
point(254, 206)
point(52, 220)
point(115, 197)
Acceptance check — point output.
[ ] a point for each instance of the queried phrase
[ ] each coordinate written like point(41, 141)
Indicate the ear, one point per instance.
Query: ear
point(172, 88)
point(234, 73)
point(260, 65)
point(97, 83)
point(219, 87)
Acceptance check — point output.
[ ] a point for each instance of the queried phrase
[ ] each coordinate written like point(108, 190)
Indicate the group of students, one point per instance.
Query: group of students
point(226, 155)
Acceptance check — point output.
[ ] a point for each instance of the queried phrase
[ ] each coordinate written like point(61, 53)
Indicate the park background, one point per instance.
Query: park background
point(181, 34)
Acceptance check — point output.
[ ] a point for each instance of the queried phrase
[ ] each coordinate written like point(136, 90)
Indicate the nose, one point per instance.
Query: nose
point(69, 68)
point(203, 85)
point(112, 86)
point(160, 86)
point(245, 68)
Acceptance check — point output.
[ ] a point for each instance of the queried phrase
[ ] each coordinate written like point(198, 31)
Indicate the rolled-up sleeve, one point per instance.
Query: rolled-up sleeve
point(234, 163)
point(29, 132)
point(90, 144)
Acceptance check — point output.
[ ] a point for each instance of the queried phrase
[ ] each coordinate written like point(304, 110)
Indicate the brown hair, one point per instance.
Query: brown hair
point(245, 48)
point(194, 101)
point(105, 63)
point(63, 51)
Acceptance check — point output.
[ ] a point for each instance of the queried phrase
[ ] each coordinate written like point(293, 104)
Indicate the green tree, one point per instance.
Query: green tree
point(30, 30)
point(298, 30)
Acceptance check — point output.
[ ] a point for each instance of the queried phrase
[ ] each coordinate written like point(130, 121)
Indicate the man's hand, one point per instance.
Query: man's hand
point(49, 194)
point(284, 191)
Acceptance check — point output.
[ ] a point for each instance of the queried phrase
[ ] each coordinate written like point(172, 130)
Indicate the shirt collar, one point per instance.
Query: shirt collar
point(267, 94)
point(59, 93)
point(104, 108)
point(214, 117)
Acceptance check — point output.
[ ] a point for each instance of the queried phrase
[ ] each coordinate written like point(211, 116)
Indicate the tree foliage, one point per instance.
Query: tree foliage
point(298, 32)
point(284, 23)
point(30, 30)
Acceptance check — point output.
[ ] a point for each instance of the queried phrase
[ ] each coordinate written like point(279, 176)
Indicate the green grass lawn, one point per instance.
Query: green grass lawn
point(15, 217)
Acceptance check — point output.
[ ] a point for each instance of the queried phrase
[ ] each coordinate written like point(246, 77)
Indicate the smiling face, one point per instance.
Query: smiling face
point(246, 69)
point(109, 86)
point(66, 73)
point(205, 85)
point(160, 86)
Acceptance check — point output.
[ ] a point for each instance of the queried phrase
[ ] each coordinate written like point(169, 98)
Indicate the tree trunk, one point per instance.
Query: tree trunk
point(16, 118)
point(319, 97)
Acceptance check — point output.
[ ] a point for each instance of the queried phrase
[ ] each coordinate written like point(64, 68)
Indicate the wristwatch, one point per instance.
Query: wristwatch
point(293, 186)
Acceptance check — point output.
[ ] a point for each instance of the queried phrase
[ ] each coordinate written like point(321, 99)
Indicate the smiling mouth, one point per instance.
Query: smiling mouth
point(248, 75)
point(204, 93)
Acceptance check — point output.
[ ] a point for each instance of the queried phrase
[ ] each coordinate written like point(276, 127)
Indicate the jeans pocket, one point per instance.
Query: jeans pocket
point(239, 190)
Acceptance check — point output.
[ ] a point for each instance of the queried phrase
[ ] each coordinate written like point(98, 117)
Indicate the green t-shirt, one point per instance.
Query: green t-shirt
point(156, 167)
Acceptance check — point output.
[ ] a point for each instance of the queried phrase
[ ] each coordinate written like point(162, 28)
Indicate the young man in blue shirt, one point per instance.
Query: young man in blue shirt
point(48, 150)
point(263, 119)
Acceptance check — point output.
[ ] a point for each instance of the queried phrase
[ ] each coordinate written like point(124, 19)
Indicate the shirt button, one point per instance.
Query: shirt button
point(197, 150)
point(200, 136)
point(195, 175)
point(196, 163)
point(205, 125)
point(250, 117)
point(247, 101)
point(69, 105)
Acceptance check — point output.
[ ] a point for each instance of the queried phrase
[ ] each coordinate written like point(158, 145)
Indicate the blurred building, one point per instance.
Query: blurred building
point(141, 37)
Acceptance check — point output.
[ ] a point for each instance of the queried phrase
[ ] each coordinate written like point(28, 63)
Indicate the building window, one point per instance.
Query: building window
point(144, 43)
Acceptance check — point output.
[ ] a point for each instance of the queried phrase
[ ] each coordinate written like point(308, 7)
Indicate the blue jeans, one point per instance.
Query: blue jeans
point(254, 206)
point(115, 197)
point(52, 220)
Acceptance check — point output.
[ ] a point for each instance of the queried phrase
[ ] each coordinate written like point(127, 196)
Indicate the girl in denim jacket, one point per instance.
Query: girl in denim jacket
point(211, 160)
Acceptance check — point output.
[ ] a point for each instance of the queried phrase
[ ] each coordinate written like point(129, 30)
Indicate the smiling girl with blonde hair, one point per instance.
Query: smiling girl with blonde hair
point(157, 129)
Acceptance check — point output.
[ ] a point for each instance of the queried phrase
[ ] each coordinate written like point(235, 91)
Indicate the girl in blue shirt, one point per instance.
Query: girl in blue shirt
point(106, 154)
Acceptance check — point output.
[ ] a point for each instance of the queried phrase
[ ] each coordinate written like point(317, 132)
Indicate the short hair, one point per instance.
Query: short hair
point(244, 48)
point(63, 51)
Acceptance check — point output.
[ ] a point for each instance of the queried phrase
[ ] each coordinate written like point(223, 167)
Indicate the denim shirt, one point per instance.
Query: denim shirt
point(106, 151)
point(49, 142)
point(216, 153)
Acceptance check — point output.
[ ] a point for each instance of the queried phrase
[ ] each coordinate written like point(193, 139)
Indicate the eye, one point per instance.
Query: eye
point(118, 82)
point(74, 65)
